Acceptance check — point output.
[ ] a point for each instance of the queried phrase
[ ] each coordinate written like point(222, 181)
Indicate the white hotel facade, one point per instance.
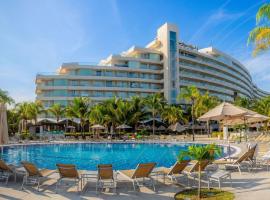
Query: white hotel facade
point(163, 66)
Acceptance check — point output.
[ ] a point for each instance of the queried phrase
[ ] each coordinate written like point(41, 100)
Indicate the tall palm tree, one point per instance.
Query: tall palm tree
point(80, 108)
point(260, 35)
point(172, 114)
point(204, 103)
point(190, 95)
point(200, 153)
point(57, 111)
point(5, 98)
point(155, 104)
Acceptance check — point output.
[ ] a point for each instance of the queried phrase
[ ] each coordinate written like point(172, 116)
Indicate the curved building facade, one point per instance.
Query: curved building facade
point(163, 66)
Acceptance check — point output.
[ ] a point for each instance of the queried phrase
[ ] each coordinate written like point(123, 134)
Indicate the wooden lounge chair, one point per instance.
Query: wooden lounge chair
point(34, 175)
point(105, 177)
point(174, 170)
point(240, 162)
point(192, 170)
point(142, 172)
point(68, 173)
point(6, 171)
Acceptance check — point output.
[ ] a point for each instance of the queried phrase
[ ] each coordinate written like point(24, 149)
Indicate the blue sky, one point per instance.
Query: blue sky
point(37, 36)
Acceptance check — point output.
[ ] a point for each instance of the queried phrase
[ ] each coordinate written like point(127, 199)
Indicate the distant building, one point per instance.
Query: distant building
point(163, 66)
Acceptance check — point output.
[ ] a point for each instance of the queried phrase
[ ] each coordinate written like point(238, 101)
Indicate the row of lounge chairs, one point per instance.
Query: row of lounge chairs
point(107, 177)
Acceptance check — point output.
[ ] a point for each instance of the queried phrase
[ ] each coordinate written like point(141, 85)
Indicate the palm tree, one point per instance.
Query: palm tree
point(172, 114)
point(260, 35)
point(244, 102)
point(5, 98)
point(138, 110)
point(80, 108)
point(22, 109)
point(262, 106)
point(155, 104)
point(190, 94)
point(200, 153)
point(57, 111)
point(34, 109)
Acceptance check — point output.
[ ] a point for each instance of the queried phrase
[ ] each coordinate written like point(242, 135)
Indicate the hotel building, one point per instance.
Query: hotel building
point(164, 66)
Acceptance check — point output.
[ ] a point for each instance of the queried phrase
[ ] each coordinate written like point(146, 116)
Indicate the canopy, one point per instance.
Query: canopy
point(3, 125)
point(223, 111)
point(46, 120)
point(123, 126)
point(97, 126)
point(161, 128)
point(177, 127)
point(247, 119)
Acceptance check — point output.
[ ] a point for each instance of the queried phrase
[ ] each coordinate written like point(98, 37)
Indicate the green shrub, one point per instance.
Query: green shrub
point(217, 133)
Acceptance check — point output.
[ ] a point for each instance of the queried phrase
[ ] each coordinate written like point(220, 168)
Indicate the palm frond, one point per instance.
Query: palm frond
point(263, 13)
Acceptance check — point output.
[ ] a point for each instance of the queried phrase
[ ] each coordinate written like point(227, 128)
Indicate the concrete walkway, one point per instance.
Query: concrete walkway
point(248, 186)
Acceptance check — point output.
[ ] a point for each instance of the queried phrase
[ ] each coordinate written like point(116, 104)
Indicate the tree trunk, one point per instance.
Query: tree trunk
point(192, 116)
point(199, 183)
point(154, 124)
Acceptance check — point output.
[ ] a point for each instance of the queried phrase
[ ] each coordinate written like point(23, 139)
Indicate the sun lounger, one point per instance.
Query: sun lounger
point(34, 175)
point(106, 177)
point(192, 170)
point(174, 170)
point(6, 171)
point(142, 172)
point(68, 173)
point(218, 176)
point(242, 161)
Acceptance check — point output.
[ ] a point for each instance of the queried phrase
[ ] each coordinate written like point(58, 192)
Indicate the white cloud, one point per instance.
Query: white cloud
point(259, 67)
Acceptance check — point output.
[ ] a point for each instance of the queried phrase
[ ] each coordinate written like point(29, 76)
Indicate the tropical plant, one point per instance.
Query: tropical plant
point(200, 153)
point(190, 95)
point(33, 110)
point(22, 109)
point(204, 103)
point(172, 114)
point(260, 35)
point(138, 110)
point(244, 102)
point(155, 104)
point(5, 98)
point(13, 121)
point(57, 111)
point(80, 108)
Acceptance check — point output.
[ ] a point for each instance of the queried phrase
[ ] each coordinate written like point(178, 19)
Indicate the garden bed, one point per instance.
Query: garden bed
point(206, 194)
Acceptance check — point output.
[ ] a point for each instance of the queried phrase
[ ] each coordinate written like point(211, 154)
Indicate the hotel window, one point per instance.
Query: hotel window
point(134, 85)
point(98, 73)
point(109, 84)
point(109, 73)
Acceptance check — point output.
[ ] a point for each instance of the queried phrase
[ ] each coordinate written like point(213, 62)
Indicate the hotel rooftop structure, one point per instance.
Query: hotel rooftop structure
point(163, 66)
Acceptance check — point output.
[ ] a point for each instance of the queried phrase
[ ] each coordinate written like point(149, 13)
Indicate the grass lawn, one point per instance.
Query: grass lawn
point(206, 194)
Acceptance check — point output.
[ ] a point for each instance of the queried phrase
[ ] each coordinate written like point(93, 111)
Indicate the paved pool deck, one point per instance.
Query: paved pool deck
point(247, 186)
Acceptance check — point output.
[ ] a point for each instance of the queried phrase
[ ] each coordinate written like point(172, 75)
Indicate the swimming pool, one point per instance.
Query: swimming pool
point(88, 155)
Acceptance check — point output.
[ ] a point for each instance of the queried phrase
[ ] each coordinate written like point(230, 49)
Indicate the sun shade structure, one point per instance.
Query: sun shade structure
point(123, 126)
point(3, 125)
point(230, 114)
point(223, 111)
point(177, 127)
point(98, 126)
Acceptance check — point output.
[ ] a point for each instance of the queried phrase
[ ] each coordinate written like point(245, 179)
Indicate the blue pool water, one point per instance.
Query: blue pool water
point(88, 155)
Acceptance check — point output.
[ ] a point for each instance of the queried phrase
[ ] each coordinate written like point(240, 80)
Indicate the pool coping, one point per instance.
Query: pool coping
point(236, 148)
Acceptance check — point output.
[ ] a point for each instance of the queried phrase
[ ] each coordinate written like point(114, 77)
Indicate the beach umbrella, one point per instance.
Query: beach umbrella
point(161, 128)
point(123, 126)
point(98, 127)
point(177, 127)
point(3, 125)
point(224, 111)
